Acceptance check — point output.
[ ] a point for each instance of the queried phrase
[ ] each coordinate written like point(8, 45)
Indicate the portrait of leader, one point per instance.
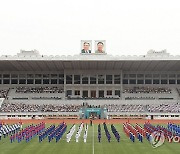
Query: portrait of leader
point(86, 47)
point(100, 47)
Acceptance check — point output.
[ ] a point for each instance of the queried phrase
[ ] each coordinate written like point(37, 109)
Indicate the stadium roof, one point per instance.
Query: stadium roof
point(33, 61)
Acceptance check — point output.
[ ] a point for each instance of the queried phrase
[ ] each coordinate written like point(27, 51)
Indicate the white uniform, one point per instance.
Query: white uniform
point(77, 137)
point(71, 132)
point(78, 134)
point(85, 137)
point(85, 133)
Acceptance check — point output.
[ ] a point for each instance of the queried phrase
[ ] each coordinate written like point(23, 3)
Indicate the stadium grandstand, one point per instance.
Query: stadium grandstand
point(83, 86)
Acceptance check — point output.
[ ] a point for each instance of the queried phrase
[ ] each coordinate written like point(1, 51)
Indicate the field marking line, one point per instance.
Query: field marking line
point(93, 141)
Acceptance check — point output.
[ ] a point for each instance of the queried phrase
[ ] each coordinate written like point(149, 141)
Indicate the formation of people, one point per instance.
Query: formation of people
point(70, 133)
point(78, 134)
point(99, 133)
point(17, 133)
point(57, 132)
point(107, 132)
point(6, 130)
point(85, 133)
point(115, 132)
point(27, 133)
point(133, 132)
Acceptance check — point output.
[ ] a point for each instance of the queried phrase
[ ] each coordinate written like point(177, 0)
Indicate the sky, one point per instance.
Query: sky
point(56, 27)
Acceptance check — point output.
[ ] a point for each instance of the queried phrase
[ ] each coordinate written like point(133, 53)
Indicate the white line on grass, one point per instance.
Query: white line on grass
point(93, 141)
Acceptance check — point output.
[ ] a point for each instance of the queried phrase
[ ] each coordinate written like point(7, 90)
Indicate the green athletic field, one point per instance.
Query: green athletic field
point(91, 147)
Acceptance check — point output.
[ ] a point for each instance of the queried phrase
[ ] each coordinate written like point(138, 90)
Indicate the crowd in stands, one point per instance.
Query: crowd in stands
point(172, 108)
point(22, 107)
point(19, 107)
point(91, 106)
point(4, 93)
point(124, 108)
point(156, 108)
point(61, 108)
point(39, 90)
point(147, 90)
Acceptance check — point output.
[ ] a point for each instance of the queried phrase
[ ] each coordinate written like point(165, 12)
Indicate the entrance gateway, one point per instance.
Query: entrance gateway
point(93, 113)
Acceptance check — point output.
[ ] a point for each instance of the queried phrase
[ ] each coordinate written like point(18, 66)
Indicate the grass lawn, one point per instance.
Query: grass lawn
point(91, 147)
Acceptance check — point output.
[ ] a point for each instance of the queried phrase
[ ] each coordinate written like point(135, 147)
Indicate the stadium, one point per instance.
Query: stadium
point(89, 103)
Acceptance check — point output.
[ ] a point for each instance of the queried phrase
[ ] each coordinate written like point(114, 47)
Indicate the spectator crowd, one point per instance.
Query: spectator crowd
point(25, 107)
point(39, 90)
point(147, 90)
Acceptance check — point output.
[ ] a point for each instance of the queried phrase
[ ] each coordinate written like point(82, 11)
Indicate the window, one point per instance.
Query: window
point(68, 79)
point(45, 81)
point(53, 81)
point(156, 81)
point(117, 93)
point(38, 81)
point(171, 81)
point(38, 75)
point(100, 79)
point(164, 81)
point(77, 79)
point(30, 75)
point(14, 81)
point(6, 81)
point(148, 81)
point(148, 75)
point(101, 93)
point(68, 93)
point(61, 78)
point(172, 76)
point(46, 75)
point(125, 75)
point(22, 81)
point(178, 76)
point(117, 79)
point(85, 93)
point(140, 81)
point(54, 76)
point(22, 76)
point(93, 80)
point(132, 81)
point(14, 76)
point(85, 80)
point(108, 79)
point(30, 81)
point(125, 81)
point(109, 92)
point(140, 75)
point(132, 75)
point(93, 93)
point(6, 75)
point(163, 75)
point(77, 92)
point(156, 75)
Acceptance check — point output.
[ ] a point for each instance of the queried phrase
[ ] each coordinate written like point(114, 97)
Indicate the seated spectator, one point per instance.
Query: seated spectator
point(39, 90)
point(4, 93)
point(147, 90)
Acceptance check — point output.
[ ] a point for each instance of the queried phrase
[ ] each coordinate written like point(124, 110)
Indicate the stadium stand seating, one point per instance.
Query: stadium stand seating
point(147, 90)
point(38, 90)
point(165, 108)
point(4, 93)
point(22, 107)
